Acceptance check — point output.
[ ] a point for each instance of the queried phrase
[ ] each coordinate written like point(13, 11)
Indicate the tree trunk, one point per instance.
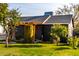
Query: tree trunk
point(7, 38)
point(6, 42)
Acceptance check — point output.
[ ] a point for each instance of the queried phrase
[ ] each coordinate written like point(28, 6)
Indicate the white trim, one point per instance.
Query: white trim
point(56, 23)
point(46, 19)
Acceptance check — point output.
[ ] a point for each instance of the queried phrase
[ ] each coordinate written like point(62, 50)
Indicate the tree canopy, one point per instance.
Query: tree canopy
point(8, 19)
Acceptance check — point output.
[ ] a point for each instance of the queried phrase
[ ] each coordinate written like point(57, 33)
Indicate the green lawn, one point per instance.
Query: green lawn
point(37, 50)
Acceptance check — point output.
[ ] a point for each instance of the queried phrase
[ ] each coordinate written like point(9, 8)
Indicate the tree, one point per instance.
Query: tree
point(14, 16)
point(71, 9)
point(63, 11)
point(3, 17)
point(8, 19)
point(59, 30)
point(74, 9)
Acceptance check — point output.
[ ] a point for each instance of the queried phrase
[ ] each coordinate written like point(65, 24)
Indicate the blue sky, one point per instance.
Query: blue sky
point(32, 9)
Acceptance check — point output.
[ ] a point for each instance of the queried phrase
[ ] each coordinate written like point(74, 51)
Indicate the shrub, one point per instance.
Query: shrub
point(76, 29)
point(55, 39)
point(73, 41)
point(60, 30)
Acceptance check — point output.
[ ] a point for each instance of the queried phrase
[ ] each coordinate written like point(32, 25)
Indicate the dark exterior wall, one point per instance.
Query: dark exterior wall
point(43, 32)
point(46, 32)
point(24, 33)
point(38, 32)
point(19, 32)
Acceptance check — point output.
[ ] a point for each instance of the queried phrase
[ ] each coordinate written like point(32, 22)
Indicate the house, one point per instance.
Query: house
point(39, 27)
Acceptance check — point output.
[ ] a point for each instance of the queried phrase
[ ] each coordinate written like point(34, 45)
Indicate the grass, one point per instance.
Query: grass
point(37, 50)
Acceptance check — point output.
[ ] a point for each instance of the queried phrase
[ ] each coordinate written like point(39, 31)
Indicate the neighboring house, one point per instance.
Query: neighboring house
point(2, 36)
point(39, 27)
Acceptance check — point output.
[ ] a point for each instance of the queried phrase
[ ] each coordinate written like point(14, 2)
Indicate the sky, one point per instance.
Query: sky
point(39, 1)
point(33, 9)
point(38, 7)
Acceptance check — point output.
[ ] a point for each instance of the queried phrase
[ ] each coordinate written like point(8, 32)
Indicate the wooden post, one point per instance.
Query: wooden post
point(33, 33)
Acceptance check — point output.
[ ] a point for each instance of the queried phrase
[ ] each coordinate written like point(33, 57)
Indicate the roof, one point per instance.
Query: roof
point(64, 19)
point(35, 19)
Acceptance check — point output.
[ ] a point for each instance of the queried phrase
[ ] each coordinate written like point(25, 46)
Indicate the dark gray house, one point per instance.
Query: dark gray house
point(39, 27)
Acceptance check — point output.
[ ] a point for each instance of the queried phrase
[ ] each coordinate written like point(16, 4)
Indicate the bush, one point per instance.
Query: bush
point(60, 30)
point(55, 39)
point(73, 41)
point(76, 29)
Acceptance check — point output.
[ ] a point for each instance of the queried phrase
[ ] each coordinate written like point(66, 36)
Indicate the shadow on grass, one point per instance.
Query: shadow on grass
point(63, 44)
point(25, 46)
point(62, 48)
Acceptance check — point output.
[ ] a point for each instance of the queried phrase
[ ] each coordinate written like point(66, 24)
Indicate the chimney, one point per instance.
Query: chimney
point(48, 13)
